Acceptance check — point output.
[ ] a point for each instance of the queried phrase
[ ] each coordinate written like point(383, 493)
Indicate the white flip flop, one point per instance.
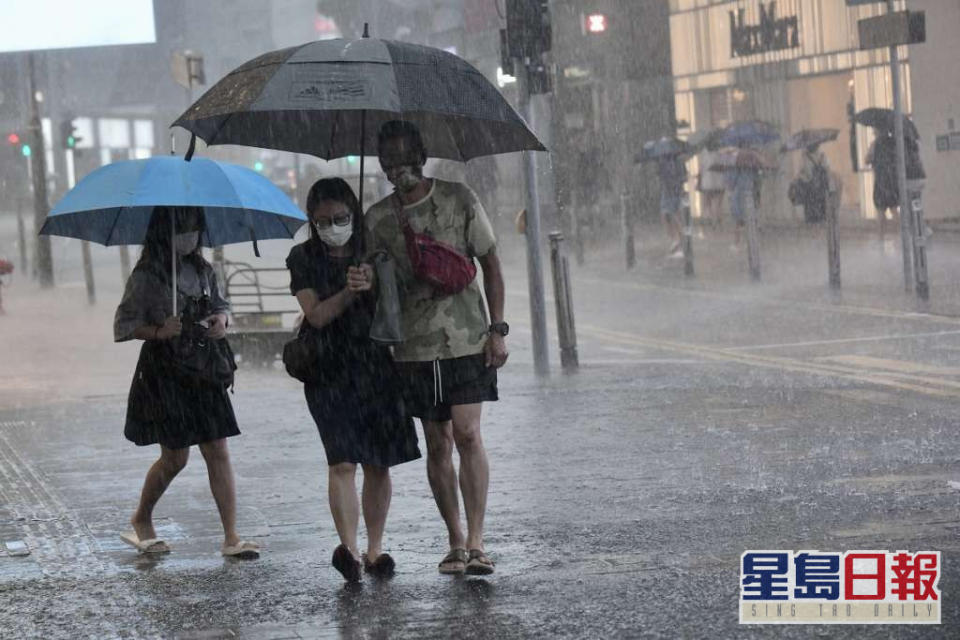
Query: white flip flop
point(151, 546)
point(244, 549)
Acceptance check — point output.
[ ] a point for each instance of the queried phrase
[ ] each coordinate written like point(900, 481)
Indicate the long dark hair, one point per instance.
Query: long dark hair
point(337, 190)
point(157, 245)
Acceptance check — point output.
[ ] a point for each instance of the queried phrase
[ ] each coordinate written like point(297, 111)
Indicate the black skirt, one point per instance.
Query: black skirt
point(360, 413)
point(176, 413)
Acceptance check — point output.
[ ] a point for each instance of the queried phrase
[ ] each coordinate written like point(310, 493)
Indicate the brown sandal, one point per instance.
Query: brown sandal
point(454, 562)
point(479, 564)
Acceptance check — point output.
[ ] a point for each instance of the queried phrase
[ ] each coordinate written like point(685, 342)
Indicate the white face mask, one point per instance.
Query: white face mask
point(336, 235)
point(185, 243)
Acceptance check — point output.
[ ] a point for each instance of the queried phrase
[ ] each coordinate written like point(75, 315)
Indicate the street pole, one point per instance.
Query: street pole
point(43, 256)
point(22, 235)
point(538, 314)
point(906, 215)
point(84, 244)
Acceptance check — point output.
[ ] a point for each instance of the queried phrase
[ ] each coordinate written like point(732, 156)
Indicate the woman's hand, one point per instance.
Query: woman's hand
point(171, 327)
point(360, 278)
point(218, 326)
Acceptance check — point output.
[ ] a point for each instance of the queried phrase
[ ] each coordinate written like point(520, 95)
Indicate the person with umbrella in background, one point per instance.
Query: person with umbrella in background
point(356, 399)
point(710, 182)
point(815, 182)
point(882, 157)
point(672, 171)
point(451, 350)
point(166, 407)
point(670, 156)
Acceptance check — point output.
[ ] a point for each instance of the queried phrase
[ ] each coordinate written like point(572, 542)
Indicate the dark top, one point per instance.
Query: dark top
point(358, 407)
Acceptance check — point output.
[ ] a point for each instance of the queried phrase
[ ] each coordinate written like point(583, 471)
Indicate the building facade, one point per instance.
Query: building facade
point(797, 64)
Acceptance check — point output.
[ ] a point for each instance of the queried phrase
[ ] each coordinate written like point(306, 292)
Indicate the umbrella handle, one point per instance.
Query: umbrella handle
point(173, 259)
point(191, 148)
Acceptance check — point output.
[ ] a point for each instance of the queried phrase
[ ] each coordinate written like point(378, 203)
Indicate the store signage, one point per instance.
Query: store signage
point(772, 34)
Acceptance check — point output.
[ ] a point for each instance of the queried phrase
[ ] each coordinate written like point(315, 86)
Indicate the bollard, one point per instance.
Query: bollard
point(753, 239)
point(833, 239)
point(626, 227)
point(22, 236)
point(915, 202)
point(562, 293)
point(687, 235)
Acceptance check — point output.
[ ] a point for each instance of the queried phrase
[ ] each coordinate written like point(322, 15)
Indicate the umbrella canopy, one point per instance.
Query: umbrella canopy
point(328, 98)
point(807, 137)
point(884, 119)
point(662, 148)
point(748, 133)
point(113, 204)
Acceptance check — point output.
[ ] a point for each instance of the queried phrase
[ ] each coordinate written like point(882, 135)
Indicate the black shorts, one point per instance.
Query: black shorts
point(433, 387)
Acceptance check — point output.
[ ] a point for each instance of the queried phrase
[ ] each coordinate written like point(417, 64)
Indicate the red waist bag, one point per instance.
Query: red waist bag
point(436, 263)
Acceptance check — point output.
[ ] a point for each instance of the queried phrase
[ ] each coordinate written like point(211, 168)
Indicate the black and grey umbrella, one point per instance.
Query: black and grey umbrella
point(328, 99)
point(884, 119)
point(663, 148)
point(809, 137)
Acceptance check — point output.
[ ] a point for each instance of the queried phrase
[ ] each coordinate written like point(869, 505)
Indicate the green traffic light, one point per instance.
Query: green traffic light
point(25, 150)
point(71, 142)
point(351, 159)
point(258, 166)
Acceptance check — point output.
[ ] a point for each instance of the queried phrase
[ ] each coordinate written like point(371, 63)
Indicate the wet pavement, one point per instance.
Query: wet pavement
point(709, 416)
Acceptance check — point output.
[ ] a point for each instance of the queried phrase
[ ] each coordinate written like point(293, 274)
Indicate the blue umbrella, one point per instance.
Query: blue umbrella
point(113, 205)
point(748, 133)
point(662, 148)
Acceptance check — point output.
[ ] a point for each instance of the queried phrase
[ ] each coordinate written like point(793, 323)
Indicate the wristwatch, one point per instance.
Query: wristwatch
point(501, 328)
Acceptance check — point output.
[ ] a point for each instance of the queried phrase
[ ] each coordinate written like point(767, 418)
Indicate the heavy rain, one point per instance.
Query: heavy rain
point(479, 319)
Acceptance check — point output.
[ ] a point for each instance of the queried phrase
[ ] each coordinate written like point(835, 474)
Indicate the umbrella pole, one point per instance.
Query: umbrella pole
point(173, 259)
point(357, 258)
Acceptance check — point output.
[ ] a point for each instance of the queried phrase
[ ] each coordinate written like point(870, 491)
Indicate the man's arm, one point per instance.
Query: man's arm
point(496, 347)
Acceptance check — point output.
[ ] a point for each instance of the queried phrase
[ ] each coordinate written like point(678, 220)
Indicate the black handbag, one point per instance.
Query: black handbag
point(192, 356)
point(301, 356)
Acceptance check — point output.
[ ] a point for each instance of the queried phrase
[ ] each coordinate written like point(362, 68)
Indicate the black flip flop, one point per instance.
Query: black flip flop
point(479, 564)
point(382, 567)
point(344, 562)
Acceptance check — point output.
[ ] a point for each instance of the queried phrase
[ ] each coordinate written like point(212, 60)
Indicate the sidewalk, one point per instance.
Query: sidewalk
point(709, 416)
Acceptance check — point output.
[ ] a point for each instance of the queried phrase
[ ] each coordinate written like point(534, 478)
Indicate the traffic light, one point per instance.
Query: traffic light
point(529, 32)
point(17, 144)
point(594, 23)
point(68, 134)
point(258, 166)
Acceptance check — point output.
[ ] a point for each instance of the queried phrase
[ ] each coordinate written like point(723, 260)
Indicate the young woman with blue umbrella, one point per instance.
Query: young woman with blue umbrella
point(178, 396)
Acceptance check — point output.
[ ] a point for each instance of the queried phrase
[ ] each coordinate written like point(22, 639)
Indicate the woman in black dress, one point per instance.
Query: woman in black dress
point(165, 407)
point(357, 404)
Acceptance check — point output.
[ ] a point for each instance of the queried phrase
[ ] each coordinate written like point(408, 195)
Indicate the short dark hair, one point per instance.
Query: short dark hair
point(402, 129)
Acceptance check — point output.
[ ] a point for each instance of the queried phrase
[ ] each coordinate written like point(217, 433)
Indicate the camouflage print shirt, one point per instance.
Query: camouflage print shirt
point(436, 327)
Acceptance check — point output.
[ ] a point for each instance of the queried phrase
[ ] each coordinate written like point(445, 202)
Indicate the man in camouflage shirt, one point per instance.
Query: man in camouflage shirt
point(451, 349)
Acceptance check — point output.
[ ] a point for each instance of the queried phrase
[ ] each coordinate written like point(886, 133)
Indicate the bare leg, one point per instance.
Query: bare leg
point(443, 478)
point(474, 469)
point(220, 475)
point(161, 474)
point(377, 490)
point(344, 507)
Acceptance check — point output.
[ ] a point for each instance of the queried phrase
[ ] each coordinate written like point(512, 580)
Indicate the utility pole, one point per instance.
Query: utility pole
point(526, 38)
point(906, 214)
point(538, 314)
point(43, 257)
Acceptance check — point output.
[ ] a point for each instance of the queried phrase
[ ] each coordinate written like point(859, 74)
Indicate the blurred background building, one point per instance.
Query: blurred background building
point(797, 64)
